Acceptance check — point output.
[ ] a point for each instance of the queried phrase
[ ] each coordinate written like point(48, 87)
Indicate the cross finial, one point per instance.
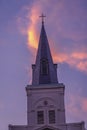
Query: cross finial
point(42, 16)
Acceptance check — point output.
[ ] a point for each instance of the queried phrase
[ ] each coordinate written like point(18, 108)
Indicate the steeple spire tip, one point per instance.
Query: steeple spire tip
point(42, 16)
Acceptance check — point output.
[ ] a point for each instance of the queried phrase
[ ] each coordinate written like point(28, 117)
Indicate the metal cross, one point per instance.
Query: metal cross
point(42, 16)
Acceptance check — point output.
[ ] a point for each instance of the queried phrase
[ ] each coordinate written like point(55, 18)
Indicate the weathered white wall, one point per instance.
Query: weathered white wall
point(37, 95)
point(69, 126)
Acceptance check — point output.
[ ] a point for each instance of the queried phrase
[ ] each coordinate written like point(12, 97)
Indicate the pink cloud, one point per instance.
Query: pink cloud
point(77, 59)
point(76, 107)
point(84, 104)
point(65, 26)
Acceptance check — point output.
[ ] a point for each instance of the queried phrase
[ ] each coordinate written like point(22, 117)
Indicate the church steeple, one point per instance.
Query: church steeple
point(44, 71)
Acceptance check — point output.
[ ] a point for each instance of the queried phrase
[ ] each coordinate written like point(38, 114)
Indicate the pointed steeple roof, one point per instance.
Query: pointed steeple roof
point(43, 48)
point(44, 71)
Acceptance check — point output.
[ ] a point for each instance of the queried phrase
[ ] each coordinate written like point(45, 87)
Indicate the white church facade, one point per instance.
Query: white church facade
point(45, 96)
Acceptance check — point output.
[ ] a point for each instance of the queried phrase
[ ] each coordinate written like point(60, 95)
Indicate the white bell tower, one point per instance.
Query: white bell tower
point(45, 97)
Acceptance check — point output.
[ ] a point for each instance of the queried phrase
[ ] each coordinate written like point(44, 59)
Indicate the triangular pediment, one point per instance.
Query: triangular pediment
point(47, 128)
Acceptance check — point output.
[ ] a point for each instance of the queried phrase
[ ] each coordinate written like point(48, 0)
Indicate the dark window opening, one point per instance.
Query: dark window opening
point(44, 66)
point(51, 116)
point(40, 117)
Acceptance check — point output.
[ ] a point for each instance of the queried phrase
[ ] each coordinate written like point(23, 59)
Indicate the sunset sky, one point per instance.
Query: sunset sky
point(66, 28)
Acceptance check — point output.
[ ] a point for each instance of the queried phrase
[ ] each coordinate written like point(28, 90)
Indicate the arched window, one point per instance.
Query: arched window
point(51, 116)
point(44, 66)
point(40, 117)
